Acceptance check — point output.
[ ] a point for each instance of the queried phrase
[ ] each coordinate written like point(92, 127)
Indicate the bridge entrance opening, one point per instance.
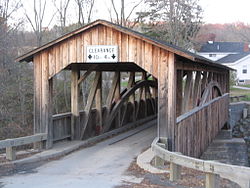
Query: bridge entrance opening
point(104, 97)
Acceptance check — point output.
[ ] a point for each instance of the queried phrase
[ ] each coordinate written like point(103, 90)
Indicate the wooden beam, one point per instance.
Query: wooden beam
point(75, 117)
point(49, 142)
point(11, 153)
point(204, 81)
point(23, 140)
point(212, 181)
point(194, 66)
point(86, 74)
point(175, 172)
point(187, 91)
point(197, 85)
point(131, 98)
point(179, 92)
point(171, 117)
point(117, 98)
point(144, 94)
point(113, 89)
point(99, 101)
point(90, 101)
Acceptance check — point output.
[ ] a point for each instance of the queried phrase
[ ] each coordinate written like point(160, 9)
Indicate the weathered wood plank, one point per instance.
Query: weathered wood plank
point(98, 101)
point(171, 96)
point(90, 101)
point(162, 94)
point(179, 92)
point(124, 48)
point(187, 91)
point(23, 140)
point(75, 119)
point(197, 84)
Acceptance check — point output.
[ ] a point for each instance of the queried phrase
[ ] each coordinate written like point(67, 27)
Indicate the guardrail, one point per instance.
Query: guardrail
point(238, 98)
point(10, 144)
point(213, 170)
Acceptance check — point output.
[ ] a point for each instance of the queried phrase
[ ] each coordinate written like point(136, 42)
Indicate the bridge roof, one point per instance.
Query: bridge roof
point(162, 44)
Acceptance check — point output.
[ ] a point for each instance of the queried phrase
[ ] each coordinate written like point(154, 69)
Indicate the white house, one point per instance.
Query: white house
point(235, 55)
point(241, 63)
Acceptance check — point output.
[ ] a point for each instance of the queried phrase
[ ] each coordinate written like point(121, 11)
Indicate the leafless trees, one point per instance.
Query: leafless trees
point(85, 10)
point(15, 81)
point(176, 21)
point(37, 19)
point(122, 15)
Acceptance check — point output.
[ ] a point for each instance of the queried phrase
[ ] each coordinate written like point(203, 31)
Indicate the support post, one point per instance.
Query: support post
point(158, 162)
point(117, 98)
point(171, 98)
point(98, 101)
point(144, 94)
point(179, 92)
point(75, 120)
point(212, 180)
point(175, 172)
point(167, 98)
point(11, 153)
point(49, 141)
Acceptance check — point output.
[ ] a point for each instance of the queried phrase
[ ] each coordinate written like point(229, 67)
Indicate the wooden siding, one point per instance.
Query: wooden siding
point(197, 128)
point(71, 50)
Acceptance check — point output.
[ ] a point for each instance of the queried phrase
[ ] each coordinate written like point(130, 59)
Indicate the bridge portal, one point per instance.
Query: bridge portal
point(188, 93)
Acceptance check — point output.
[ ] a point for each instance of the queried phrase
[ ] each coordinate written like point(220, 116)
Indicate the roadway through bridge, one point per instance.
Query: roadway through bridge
point(102, 165)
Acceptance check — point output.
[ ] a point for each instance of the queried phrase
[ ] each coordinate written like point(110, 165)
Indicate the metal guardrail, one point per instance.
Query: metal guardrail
point(213, 170)
point(10, 144)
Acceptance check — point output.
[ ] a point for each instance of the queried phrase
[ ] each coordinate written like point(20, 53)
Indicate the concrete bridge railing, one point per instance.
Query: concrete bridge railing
point(213, 170)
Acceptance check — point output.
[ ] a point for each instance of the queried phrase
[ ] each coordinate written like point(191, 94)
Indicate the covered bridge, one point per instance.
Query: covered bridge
point(192, 92)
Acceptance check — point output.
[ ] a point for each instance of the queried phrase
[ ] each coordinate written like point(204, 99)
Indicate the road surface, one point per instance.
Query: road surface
point(102, 165)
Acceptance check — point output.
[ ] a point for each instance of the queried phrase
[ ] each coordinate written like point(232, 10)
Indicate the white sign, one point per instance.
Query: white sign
point(102, 54)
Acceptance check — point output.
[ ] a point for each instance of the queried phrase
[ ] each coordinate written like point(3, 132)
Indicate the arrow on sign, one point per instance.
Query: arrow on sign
point(113, 56)
point(90, 56)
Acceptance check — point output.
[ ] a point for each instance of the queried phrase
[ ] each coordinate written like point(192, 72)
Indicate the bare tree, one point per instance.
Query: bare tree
point(176, 21)
point(37, 21)
point(14, 77)
point(85, 9)
point(120, 13)
point(62, 8)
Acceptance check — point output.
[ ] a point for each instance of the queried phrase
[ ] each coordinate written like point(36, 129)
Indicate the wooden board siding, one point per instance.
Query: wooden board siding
point(197, 128)
point(131, 49)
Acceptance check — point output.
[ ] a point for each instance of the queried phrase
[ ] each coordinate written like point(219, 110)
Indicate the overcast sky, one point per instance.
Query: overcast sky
point(215, 11)
point(226, 11)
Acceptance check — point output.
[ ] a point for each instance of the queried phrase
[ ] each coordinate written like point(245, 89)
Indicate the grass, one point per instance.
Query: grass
point(248, 85)
point(237, 92)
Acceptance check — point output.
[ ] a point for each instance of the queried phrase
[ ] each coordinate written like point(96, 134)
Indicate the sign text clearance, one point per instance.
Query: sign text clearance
point(102, 54)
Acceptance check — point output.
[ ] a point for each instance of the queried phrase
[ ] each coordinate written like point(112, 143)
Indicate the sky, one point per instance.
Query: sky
point(226, 11)
point(214, 11)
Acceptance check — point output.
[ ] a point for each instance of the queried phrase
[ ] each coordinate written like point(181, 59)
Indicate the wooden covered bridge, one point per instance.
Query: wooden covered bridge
point(187, 93)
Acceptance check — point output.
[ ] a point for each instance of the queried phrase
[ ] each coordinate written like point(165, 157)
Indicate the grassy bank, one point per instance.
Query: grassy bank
point(238, 92)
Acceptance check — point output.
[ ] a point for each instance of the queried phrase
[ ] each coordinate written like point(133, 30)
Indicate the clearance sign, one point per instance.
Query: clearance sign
point(102, 54)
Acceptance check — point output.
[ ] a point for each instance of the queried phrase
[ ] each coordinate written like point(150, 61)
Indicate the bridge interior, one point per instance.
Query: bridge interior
point(189, 94)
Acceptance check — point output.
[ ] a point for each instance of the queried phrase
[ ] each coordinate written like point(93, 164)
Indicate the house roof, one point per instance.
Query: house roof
point(231, 58)
point(226, 47)
point(162, 44)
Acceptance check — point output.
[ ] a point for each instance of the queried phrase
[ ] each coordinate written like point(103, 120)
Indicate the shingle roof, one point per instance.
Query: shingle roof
point(229, 47)
point(233, 57)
